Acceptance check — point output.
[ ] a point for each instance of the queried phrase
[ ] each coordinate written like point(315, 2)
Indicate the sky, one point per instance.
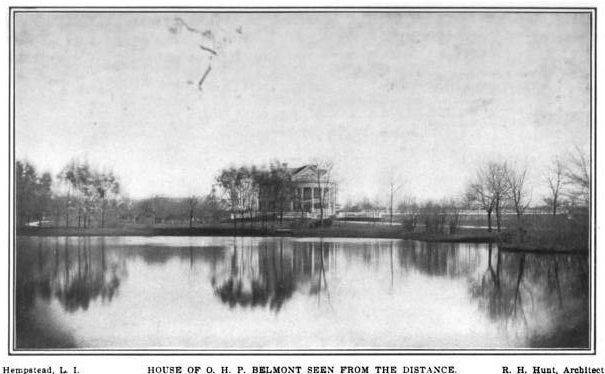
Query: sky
point(424, 97)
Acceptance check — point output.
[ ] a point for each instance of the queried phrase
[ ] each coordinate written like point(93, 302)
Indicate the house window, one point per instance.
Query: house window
point(307, 193)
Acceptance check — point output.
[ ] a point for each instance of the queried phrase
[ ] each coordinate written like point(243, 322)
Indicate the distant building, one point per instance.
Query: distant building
point(308, 190)
point(306, 194)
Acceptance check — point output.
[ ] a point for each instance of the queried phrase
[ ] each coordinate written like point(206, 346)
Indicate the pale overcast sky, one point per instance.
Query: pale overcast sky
point(429, 95)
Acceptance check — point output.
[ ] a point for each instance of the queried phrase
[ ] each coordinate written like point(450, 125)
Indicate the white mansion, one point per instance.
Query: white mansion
point(309, 190)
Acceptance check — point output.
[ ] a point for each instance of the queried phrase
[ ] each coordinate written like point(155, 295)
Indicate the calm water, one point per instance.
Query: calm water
point(218, 292)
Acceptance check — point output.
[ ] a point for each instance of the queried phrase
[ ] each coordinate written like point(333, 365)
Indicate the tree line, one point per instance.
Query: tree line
point(78, 190)
point(500, 185)
point(496, 187)
point(83, 196)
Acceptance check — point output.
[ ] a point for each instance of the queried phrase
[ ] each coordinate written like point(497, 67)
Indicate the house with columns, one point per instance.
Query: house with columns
point(307, 191)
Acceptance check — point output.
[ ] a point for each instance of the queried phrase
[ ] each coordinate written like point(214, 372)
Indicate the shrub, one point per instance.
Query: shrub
point(409, 224)
point(327, 222)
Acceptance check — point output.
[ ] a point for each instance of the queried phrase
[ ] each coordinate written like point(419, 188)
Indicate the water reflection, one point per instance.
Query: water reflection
point(268, 275)
point(526, 291)
point(95, 292)
point(72, 272)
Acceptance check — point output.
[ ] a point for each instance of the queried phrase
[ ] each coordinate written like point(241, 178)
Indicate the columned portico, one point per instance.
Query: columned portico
point(308, 194)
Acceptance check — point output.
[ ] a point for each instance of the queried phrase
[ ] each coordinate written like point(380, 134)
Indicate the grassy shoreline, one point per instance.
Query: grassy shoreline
point(466, 235)
point(337, 231)
point(532, 248)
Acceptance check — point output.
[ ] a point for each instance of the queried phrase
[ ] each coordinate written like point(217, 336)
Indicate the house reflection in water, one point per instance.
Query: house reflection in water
point(270, 273)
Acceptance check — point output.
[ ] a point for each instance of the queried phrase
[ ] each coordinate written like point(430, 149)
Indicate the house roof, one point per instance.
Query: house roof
point(301, 171)
point(295, 171)
point(309, 167)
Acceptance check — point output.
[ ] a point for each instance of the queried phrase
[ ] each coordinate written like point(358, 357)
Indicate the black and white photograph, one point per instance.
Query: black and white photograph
point(302, 181)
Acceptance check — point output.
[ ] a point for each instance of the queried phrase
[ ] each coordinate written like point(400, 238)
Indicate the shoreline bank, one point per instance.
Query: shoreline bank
point(338, 231)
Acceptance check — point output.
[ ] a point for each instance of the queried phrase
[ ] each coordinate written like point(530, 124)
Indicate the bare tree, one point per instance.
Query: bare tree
point(323, 173)
point(556, 181)
point(479, 194)
point(410, 210)
point(518, 190)
point(192, 203)
point(68, 177)
point(496, 182)
point(79, 177)
point(489, 191)
point(279, 182)
point(377, 208)
point(394, 188)
point(578, 176)
point(249, 192)
point(230, 180)
point(518, 193)
point(106, 186)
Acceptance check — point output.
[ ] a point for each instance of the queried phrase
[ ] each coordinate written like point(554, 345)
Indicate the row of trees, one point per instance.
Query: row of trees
point(264, 193)
point(86, 192)
point(501, 185)
point(83, 196)
point(496, 187)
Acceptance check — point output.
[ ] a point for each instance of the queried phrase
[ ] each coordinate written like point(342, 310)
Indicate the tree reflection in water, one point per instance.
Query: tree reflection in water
point(90, 278)
point(270, 273)
point(543, 299)
point(75, 275)
point(512, 290)
point(316, 287)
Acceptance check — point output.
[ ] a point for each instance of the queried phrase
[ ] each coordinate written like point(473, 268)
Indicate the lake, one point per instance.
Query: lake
point(294, 293)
